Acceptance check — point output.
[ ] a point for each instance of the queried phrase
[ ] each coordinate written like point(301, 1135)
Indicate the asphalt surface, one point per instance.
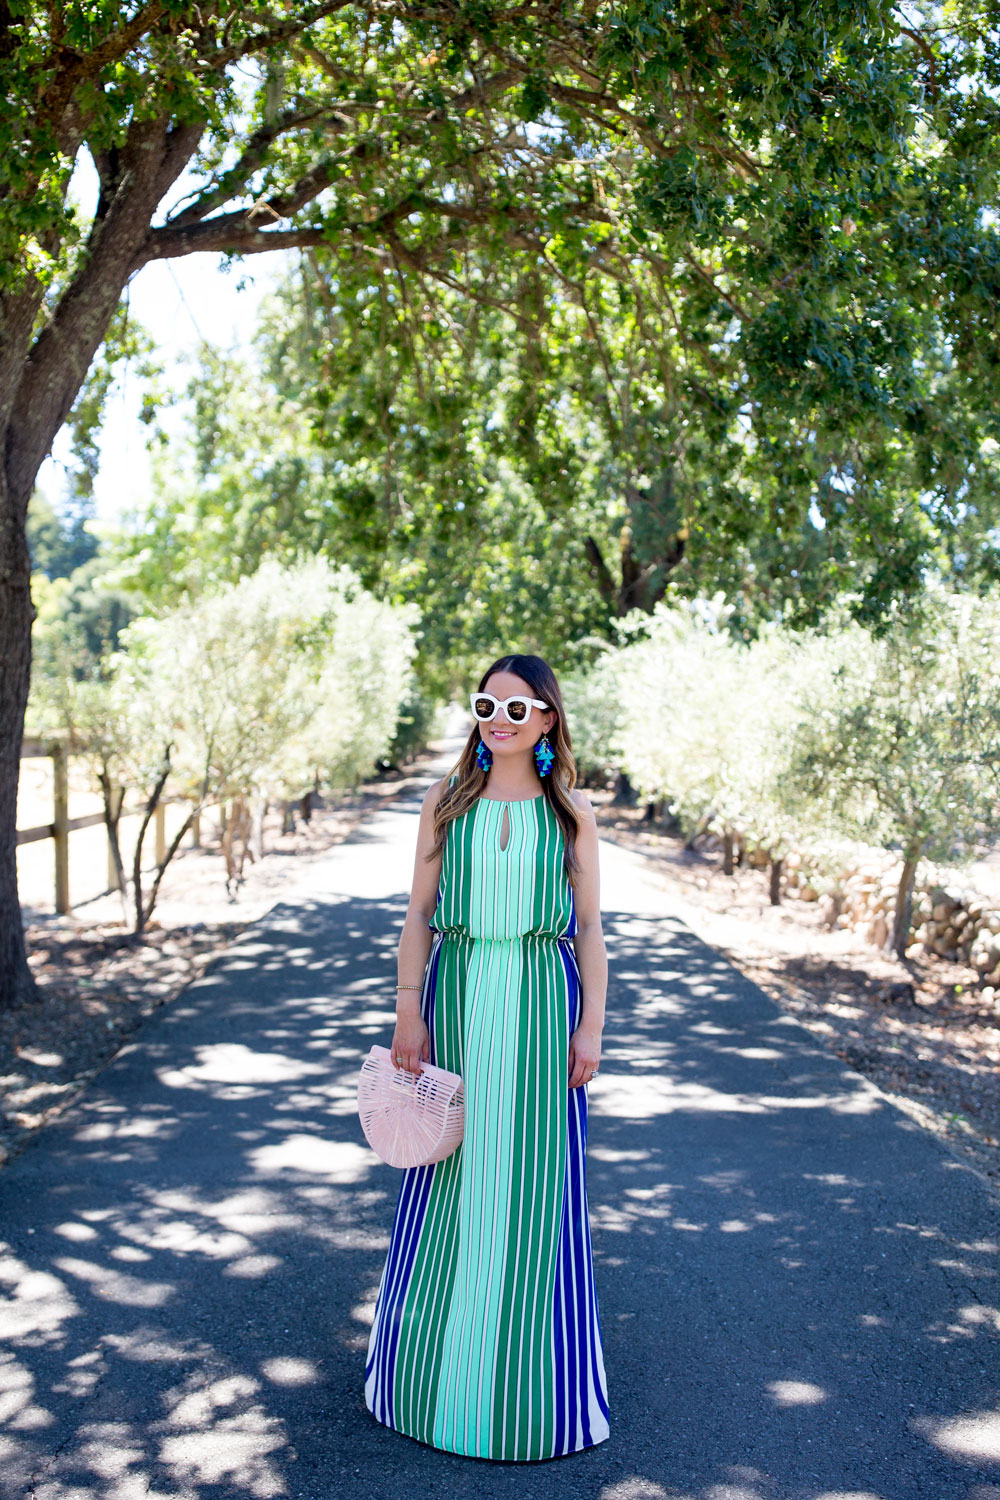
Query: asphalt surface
point(798, 1286)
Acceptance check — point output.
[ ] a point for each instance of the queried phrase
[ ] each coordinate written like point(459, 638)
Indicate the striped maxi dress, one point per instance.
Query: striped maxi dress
point(486, 1339)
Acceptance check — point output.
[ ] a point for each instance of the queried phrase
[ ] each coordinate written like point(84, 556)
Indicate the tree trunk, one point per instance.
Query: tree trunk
point(624, 791)
point(776, 865)
point(138, 905)
point(114, 800)
point(728, 863)
point(168, 855)
point(39, 382)
point(904, 899)
point(690, 844)
point(259, 813)
point(236, 843)
point(17, 614)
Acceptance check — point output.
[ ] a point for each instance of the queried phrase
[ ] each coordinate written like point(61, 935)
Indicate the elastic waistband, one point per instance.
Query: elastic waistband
point(527, 937)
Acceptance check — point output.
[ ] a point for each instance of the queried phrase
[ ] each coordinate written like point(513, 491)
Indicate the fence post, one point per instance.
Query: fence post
point(60, 821)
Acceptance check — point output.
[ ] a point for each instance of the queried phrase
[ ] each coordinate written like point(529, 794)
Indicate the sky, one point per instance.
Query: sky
point(180, 302)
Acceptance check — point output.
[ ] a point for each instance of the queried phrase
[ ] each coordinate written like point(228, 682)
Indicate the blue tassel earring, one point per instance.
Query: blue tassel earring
point(484, 755)
point(544, 756)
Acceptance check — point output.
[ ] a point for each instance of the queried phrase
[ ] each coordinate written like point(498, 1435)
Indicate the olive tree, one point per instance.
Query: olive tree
point(892, 747)
point(284, 681)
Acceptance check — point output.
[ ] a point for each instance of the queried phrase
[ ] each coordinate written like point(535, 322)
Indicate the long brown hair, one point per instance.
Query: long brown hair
point(457, 798)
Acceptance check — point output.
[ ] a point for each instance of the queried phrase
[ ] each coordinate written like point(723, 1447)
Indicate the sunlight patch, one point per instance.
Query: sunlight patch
point(115, 1286)
point(251, 1266)
point(234, 1062)
point(971, 1438)
point(290, 1370)
point(36, 1303)
point(796, 1393)
point(635, 1488)
point(641, 1096)
point(339, 1161)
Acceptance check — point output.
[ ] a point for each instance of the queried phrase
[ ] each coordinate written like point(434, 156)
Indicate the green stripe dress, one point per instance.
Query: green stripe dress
point(486, 1339)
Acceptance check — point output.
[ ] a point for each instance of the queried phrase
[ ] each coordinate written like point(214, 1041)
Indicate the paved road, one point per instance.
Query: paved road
point(799, 1288)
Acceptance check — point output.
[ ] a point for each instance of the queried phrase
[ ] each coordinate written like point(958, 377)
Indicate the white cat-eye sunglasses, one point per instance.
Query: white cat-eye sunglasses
point(517, 709)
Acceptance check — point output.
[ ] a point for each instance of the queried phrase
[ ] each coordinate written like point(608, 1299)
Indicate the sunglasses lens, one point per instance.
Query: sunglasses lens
point(517, 710)
point(484, 708)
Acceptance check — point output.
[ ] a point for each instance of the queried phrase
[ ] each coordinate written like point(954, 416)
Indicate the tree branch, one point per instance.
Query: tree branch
point(928, 51)
point(252, 159)
point(284, 205)
point(229, 239)
point(730, 302)
point(605, 582)
point(281, 31)
point(72, 67)
point(151, 159)
point(514, 312)
point(237, 233)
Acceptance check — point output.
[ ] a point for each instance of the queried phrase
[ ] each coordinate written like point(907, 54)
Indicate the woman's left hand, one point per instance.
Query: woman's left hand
point(584, 1055)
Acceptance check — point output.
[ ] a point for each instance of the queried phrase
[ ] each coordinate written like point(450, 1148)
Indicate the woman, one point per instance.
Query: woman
point(486, 1339)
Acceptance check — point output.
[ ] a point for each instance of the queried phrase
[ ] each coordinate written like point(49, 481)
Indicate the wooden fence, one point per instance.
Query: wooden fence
point(63, 825)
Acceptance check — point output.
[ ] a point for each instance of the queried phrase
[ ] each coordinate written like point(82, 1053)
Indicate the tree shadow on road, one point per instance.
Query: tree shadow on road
point(796, 1286)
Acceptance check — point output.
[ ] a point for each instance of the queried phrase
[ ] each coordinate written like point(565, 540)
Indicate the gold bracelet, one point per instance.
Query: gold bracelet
point(409, 986)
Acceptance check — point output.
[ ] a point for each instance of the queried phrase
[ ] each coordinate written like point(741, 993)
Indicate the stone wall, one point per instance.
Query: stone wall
point(951, 920)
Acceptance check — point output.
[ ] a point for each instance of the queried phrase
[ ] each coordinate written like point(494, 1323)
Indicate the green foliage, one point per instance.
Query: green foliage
point(898, 753)
point(799, 737)
point(116, 75)
point(58, 546)
point(707, 293)
point(241, 487)
point(483, 557)
point(78, 625)
point(270, 683)
point(284, 680)
point(674, 690)
point(421, 719)
point(594, 712)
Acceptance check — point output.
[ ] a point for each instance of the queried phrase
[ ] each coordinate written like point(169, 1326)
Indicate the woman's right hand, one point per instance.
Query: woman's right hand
point(410, 1043)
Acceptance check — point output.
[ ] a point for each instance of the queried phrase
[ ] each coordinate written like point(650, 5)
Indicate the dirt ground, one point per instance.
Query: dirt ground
point(918, 1029)
point(936, 1054)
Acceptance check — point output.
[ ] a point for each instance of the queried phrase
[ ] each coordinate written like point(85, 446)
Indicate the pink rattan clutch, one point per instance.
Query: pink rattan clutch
point(409, 1119)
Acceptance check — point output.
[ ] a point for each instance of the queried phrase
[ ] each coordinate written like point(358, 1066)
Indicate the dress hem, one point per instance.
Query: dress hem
point(488, 1458)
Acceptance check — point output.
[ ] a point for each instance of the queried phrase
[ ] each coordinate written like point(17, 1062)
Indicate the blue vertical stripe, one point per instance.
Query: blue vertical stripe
point(411, 1210)
point(581, 1401)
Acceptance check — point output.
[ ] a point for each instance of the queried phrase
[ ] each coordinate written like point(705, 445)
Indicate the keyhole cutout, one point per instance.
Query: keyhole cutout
point(505, 823)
